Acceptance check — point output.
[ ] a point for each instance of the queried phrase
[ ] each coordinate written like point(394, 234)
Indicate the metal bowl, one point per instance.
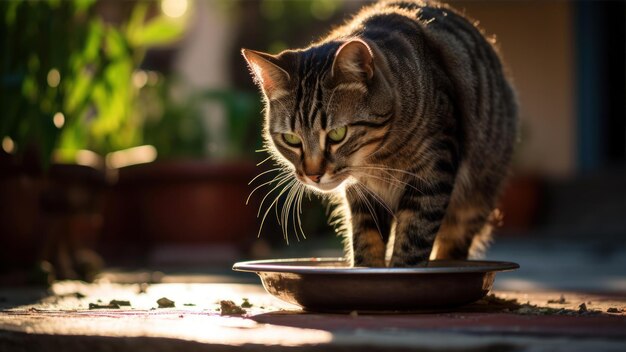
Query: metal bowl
point(329, 284)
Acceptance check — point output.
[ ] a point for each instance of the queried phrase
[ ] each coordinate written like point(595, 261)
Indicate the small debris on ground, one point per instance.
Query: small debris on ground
point(76, 294)
point(189, 304)
point(246, 303)
point(354, 314)
point(103, 306)
point(143, 288)
point(163, 302)
point(230, 308)
point(492, 302)
point(614, 310)
point(561, 300)
point(120, 302)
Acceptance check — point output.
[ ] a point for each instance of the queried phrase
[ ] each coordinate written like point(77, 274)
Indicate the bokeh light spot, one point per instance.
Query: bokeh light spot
point(131, 156)
point(140, 78)
point(174, 8)
point(153, 78)
point(8, 145)
point(54, 78)
point(58, 119)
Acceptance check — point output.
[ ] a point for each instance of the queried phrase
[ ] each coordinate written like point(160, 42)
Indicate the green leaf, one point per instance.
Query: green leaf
point(11, 12)
point(82, 5)
point(136, 20)
point(78, 92)
point(94, 37)
point(115, 44)
point(159, 31)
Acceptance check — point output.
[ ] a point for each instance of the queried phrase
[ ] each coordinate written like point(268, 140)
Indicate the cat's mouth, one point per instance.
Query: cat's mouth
point(327, 183)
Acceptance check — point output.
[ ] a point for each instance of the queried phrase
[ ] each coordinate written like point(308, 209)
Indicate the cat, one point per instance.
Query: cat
point(405, 115)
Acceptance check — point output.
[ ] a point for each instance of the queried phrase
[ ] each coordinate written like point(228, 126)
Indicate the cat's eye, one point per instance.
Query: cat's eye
point(292, 139)
point(337, 135)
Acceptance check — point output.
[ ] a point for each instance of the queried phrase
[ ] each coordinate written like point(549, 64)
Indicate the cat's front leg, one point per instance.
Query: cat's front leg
point(418, 219)
point(370, 226)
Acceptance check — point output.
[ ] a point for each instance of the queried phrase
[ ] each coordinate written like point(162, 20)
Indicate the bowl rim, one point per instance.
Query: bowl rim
point(446, 267)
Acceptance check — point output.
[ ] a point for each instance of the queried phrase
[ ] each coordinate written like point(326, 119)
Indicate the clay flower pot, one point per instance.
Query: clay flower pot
point(182, 202)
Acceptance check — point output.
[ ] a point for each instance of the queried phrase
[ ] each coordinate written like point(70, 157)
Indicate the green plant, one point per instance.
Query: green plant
point(178, 128)
point(66, 75)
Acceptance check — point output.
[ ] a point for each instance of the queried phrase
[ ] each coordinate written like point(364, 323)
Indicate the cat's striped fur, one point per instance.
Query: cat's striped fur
point(431, 124)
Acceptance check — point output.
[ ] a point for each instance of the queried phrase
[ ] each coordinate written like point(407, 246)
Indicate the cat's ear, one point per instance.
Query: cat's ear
point(354, 62)
point(267, 73)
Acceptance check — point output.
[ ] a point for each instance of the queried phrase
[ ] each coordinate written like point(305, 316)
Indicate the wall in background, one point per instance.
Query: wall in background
point(536, 40)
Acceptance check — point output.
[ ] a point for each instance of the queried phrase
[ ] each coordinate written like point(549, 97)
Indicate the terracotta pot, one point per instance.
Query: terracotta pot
point(20, 245)
point(520, 203)
point(51, 216)
point(182, 202)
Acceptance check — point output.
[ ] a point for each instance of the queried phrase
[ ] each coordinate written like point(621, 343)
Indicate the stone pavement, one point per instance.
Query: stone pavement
point(60, 319)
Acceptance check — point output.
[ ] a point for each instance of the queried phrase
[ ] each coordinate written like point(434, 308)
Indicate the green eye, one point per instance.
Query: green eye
point(338, 134)
point(292, 139)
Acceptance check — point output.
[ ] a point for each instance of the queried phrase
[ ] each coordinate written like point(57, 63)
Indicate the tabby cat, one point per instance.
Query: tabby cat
point(405, 115)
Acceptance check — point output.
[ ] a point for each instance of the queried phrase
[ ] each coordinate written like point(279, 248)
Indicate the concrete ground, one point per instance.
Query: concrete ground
point(541, 307)
point(61, 319)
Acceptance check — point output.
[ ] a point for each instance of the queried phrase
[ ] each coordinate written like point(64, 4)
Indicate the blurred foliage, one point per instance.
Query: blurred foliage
point(60, 56)
point(176, 126)
point(287, 20)
point(275, 25)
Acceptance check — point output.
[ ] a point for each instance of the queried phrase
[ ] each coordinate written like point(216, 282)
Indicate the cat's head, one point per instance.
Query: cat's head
point(328, 109)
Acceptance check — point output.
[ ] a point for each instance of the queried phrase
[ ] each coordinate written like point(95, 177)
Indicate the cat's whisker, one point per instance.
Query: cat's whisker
point(293, 217)
point(387, 170)
point(293, 207)
point(368, 205)
point(301, 191)
point(263, 173)
point(285, 211)
point(272, 204)
point(264, 160)
point(401, 181)
point(284, 180)
point(278, 177)
point(380, 201)
point(391, 181)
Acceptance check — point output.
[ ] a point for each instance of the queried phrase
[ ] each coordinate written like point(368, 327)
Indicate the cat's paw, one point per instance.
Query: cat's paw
point(368, 262)
point(408, 263)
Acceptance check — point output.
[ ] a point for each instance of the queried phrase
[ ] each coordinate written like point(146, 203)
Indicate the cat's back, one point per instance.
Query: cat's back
point(453, 41)
point(430, 39)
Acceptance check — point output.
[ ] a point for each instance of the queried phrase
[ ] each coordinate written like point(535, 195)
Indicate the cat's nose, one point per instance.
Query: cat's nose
point(315, 178)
